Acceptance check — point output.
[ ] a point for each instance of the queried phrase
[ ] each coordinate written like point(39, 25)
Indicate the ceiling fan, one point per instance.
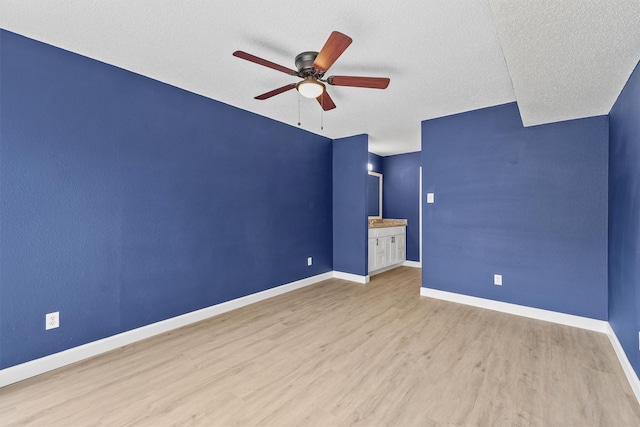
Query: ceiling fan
point(311, 67)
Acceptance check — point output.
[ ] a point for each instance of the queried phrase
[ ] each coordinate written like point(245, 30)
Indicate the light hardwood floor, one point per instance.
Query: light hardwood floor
point(338, 353)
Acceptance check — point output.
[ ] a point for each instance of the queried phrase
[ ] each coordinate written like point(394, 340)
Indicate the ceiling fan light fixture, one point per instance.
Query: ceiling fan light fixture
point(310, 88)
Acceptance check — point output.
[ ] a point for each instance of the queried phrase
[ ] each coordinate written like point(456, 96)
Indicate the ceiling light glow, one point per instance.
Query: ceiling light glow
point(310, 88)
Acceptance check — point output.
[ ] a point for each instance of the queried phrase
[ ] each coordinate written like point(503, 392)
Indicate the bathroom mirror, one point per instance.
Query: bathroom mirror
point(374, 195)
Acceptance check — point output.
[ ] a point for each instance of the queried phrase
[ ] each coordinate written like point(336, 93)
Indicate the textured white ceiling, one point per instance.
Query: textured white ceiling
point(566, 59)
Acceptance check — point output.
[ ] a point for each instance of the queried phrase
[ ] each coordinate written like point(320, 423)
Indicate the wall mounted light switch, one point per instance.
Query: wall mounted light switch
point(431, 197)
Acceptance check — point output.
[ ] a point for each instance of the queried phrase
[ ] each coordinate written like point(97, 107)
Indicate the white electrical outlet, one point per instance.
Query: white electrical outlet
point(52, 320)
point(638, 340)
point(497, 279)
point(309, 261)
point(431, 197)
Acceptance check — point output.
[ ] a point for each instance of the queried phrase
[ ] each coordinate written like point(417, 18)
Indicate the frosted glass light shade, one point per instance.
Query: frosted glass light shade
point(310, 88)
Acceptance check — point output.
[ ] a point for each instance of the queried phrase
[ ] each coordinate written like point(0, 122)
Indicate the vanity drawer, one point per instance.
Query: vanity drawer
point(386, 231)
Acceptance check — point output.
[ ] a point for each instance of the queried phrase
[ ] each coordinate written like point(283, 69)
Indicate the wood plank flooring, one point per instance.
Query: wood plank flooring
point(342, 354)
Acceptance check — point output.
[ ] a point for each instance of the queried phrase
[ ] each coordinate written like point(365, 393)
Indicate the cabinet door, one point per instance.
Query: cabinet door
point(380, 260)
point(372, 254)
point(381, 249)
point(392, 250)
point(402, 247)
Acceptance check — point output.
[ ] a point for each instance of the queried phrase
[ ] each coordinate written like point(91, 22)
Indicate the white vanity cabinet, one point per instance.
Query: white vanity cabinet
point(387, 248)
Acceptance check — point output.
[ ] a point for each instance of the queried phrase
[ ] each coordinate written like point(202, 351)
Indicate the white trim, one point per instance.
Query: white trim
point(351, 277)
point(39, 366)
point(387, 268)
point(420, 212)
point(519, 310)
point(631, 375)
point(414, 264)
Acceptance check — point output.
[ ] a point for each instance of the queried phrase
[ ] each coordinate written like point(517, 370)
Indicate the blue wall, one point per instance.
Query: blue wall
point(402, 196)
point(624, 218)
point(376, 162)
point(350, 227)
point(527, 203)
point(125, 201)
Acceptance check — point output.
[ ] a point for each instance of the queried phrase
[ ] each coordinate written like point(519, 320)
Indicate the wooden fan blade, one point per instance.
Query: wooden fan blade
point(260, 61)
point(326, 102)
point(276, 91)
point(332, 49)
point(369, 82)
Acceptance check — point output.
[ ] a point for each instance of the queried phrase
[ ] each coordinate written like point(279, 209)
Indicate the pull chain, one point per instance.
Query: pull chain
point(322, 113)
point(298, 96)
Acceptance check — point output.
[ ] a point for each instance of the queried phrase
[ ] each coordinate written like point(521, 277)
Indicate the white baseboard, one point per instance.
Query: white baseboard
point(414, 264)
point(634, 382)
point(387, 268)
point(39, 366)
point(519, 310)
point(549, 316)
point(350, 277)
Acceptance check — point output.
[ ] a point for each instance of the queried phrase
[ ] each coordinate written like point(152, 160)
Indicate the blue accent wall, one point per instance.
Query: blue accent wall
point(402, 196)
point(624, 218)
point(527, 203)
point(376, 162)
point(125, 201)
point(350, 226)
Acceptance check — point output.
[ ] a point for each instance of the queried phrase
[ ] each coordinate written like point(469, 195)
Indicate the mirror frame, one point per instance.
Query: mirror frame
point(379, 175)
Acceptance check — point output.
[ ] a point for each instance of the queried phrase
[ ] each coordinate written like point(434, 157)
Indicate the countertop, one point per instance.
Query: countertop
point(387, 222)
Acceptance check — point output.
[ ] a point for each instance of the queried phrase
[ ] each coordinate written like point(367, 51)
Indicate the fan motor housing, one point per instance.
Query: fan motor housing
point(304, 61)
